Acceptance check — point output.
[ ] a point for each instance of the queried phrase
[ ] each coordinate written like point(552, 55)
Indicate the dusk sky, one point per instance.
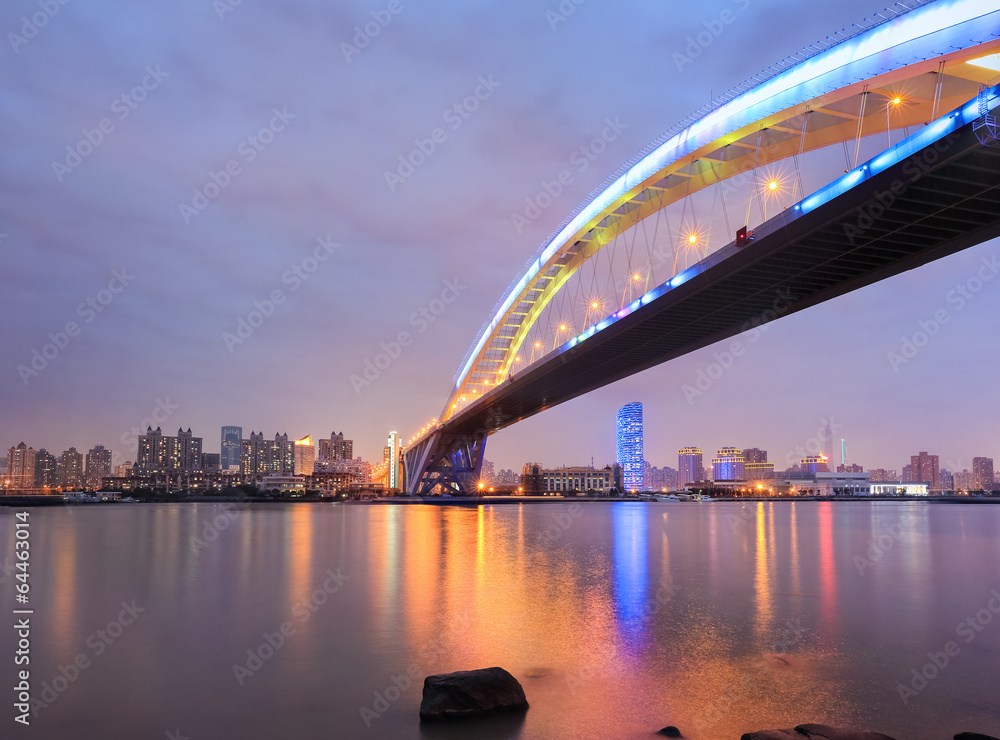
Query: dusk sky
point(118, 222)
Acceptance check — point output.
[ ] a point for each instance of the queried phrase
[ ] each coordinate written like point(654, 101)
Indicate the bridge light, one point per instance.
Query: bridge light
point(595, 304)
point(517, 359)
point(897, 101)
point(537, 345)
point(562, 327)
point(773, 185)
point(637, 276)
point(692, 239)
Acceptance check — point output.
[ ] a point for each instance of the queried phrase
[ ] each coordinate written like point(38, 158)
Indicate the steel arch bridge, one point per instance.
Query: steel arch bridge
point(892, 87)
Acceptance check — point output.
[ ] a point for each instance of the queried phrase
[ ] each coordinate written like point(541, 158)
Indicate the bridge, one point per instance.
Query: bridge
point(649, 266)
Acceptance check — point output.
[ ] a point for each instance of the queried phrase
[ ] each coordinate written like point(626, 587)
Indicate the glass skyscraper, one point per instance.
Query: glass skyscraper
point(232, 437)
point(630, 446)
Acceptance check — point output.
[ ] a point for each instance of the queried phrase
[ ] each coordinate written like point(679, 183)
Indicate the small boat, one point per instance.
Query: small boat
point(665, 497)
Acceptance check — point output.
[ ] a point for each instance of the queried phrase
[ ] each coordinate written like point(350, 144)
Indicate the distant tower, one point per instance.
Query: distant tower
point(98, 463)
point(391, 454)
point(232, 437)
point(629, 438)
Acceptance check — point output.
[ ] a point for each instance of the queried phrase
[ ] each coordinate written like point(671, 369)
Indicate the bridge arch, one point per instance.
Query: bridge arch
point(890, 73)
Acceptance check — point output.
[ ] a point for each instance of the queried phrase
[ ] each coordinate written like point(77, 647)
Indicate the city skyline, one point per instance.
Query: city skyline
point(357, 260)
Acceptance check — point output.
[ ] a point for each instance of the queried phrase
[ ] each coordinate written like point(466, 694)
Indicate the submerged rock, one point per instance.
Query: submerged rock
point(478, 693)
point(815, 732)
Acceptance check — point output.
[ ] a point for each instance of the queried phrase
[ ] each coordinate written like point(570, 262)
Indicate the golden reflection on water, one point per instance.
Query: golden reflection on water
point(594, 632)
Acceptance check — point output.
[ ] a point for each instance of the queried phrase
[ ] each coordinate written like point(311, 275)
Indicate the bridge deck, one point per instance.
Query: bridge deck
point(940, 200)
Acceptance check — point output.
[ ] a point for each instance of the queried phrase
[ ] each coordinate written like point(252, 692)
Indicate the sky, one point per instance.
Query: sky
point(169, 169)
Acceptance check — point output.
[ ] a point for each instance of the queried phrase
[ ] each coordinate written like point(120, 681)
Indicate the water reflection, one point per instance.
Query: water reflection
point(631, 572)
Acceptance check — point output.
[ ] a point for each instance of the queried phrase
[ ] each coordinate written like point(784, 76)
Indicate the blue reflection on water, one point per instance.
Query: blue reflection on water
point(631, 573)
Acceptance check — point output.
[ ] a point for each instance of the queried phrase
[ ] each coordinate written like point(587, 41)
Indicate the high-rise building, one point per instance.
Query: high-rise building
point(881, 475)
point(728, 464)
point(211, 462)
point(231, 450)
point(305, 456)
point(982, 473)
point(46, 469)
point(815, 464)
point(158, 453)
point(907, 475)
point(124, 469)
point(20, 466)
point(488, 474)
point(262, 457)
point(629, 438)
point(98, 466)
point(754, 455)
point(689, 466)
point(71, 469)
point(391, 456)
point(924, 469)
point(336, 448)
point(947, 479)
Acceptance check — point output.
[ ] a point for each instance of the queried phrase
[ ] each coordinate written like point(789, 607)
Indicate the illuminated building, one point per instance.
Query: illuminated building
point(758, 471)
point(629, 439)
point(20, 466)
point(391, 455)
point(850, 468)
point(881, 475)
point(158, 453)
point(895, 488)
point(689, 465)
point(728, 464)
point(98, 466)
point(282, 483)
point(815, 464)
point(963, 481)
point(336, 448)
point(211, 462)
point(46, 469)
point(71, 469)
point(231, 450)
point(982, 473)
point(579, 479)
point(754, 455)
point(260, 457)
point(305, 456)
point(924, 469)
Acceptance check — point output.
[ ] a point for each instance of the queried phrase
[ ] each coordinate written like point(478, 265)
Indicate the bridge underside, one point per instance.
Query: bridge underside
point(938, 201)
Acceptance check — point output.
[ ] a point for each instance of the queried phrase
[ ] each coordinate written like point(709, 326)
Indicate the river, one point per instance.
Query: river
point(302, 621)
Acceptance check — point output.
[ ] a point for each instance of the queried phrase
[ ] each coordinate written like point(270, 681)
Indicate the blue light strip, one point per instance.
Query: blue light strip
point(923, 138)
point(829, 70)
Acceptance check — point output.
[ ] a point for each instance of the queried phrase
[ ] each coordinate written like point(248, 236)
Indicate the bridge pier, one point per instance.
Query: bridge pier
point(452, 461)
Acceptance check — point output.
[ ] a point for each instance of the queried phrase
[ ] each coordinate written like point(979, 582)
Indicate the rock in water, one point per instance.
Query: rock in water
point(477, 693)
point(973, 736)
point(815, 732)
point(670, 731)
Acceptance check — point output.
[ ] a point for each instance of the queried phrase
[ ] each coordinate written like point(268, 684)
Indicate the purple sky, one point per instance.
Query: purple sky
point(319, 174)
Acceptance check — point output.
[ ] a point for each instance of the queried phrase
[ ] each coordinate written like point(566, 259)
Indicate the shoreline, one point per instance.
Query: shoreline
point(475, 501)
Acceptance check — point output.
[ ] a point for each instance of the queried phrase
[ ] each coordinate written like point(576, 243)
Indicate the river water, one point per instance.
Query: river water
point(209, 621)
